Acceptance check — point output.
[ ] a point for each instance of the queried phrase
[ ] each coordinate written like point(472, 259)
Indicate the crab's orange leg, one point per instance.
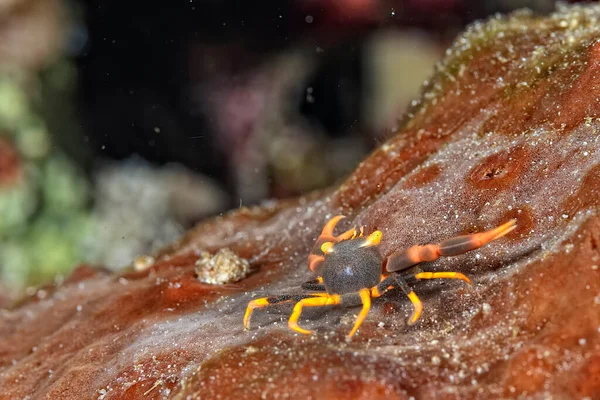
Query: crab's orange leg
point(417, 307)
point(324, 299)
point(258, 303)
point(314, 285)
point(385, 283)
point(443, 275)
point(392, 281)
point(272, 300)
point(450, 247)
point(365, 296)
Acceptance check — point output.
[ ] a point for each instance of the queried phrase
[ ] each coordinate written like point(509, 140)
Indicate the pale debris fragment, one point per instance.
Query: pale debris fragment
point(486, 308)
point(224, 267)
point(143, 262)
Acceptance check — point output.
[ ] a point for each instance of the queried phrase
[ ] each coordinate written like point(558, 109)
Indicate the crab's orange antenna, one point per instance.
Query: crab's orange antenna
point(330, 226)
point(349, 234)
point(443, 275)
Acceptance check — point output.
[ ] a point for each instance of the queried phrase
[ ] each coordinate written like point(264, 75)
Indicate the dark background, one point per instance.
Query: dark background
point(151, 64)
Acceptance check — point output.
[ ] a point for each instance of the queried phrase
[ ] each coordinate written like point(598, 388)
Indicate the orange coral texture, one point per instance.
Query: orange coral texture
point(509, 126)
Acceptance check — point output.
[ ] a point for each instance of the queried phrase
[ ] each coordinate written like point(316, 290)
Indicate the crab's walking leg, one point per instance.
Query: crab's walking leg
point(315, 285)
point(412, 296)
point(443, 275)
point(386, 283)
point(324, 299)
point(395, 280)
point(365, 296)
point(271, 300)
point(450, 247)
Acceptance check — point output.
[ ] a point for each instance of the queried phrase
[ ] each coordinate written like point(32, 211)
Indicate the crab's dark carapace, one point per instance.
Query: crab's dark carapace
point(348, 269)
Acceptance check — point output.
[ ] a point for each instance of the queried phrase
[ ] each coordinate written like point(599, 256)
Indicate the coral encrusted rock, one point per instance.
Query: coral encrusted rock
point(507, 127)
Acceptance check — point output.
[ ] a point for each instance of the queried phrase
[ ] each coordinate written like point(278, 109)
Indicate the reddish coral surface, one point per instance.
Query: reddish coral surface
point(509, 126)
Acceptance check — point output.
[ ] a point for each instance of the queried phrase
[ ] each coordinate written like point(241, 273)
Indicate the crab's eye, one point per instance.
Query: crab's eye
point(373, 239)
point(327, 247)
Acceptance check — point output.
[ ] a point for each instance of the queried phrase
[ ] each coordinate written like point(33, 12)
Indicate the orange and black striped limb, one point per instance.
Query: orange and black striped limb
point(450, 247)
point(272, 300)
point(320, 300)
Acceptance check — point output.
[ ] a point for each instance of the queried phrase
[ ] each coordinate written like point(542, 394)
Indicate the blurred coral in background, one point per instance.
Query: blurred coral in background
point(43, 193)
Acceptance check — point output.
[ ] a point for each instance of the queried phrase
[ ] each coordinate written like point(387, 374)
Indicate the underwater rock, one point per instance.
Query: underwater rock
point(223, 267)
point(508, 127)
point(141, 207)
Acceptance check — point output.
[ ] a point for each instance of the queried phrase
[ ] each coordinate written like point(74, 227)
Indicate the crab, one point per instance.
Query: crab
point(348, 269)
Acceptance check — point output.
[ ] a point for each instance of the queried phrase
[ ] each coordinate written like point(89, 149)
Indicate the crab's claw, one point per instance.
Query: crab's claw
point(317, 256)
point(327, 232)
point(449, 247)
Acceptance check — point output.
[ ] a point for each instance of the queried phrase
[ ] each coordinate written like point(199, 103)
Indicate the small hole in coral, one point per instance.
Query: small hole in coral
point(492, 173)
